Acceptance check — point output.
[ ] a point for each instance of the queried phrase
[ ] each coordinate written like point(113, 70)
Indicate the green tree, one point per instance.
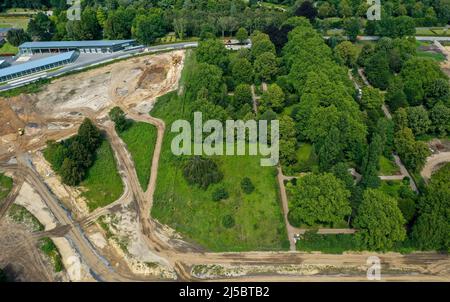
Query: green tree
point(242, 71)
point(206, 78)
point(261, 43)
point(273, 98)
point(242, 95)
point(117, 115)
point(347, 53)
point(266, 67)
point(242, 35)
point(288, 140)
point(418, 120)
point(41, 27)
point(16, 37)
point(372, 98)
point(201, 172)
point(147, 28)
point(71, 173)
point(432, 229)
point(440, 119)
point(379, 221)
point(377, 70)
point(318, 199)
point(352, 28)
point(413, 153)
point(89, 135)
point(213, 52)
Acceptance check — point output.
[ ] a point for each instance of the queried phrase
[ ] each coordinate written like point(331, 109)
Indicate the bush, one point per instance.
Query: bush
point(247, 185)
point(202, 172)
point(118, 117)
point(220, 194)
point(228, 221)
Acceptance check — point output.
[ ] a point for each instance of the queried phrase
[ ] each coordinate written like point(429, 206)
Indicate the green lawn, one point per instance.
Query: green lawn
point(306, 160)
point(438, 57)
point(102, 183)
point(6, 184)
point(387, 166)
point(15, 22)
point(8, 49)
point(140, 139)
point(191, 210)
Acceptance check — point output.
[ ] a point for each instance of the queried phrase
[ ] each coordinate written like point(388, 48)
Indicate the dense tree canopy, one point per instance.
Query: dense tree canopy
point(318, 199)
point(379, 221)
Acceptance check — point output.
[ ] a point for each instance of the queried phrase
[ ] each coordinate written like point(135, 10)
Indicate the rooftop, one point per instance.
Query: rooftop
point(69, 44)
point(35, 64)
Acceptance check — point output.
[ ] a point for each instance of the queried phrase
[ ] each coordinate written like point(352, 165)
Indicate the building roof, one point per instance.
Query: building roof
point(36, 63)
point(74, 44)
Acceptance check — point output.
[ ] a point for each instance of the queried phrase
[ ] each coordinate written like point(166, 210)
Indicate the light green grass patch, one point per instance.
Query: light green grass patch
point(191, 210)
point(49, 248)
point(391, 187)
point(140, 139)
point(438, 57)
point(14, 22)
point(6, 184)
point(20, 214)
point(387, 166)
point(102, 184)
point(8, 49)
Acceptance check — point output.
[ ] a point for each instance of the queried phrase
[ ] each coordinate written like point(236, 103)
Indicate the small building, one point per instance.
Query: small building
point(99, 46)
point(31, 67)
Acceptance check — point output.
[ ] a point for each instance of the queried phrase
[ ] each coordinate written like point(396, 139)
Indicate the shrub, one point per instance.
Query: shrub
point(220, 194)
point(247, 185)
point(228, 221)
point(202, 172)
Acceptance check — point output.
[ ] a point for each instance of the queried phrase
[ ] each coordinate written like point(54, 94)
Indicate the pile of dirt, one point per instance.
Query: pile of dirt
point(151, 76)
point(9, 120)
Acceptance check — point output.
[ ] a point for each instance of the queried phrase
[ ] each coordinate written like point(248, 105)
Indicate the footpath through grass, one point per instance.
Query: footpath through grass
point(103, 184)
point(191, 210)
point(140, 139)
point(387, 166)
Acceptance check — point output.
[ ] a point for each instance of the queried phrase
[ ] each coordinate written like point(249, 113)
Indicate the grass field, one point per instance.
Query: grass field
point(8, 49)
point(102, 183)
point(6, 184)
point(387, 166)
point(438, 57)
point(191, 210)
point(140, 139)
point(15, 22)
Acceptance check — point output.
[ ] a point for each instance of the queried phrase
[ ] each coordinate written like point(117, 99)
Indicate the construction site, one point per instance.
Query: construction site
point(121, 241)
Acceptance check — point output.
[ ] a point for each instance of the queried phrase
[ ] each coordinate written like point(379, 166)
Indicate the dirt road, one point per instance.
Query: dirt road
point(434, 162)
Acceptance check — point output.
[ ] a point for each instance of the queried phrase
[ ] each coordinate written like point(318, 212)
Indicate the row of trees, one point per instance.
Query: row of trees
point(147, 21)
